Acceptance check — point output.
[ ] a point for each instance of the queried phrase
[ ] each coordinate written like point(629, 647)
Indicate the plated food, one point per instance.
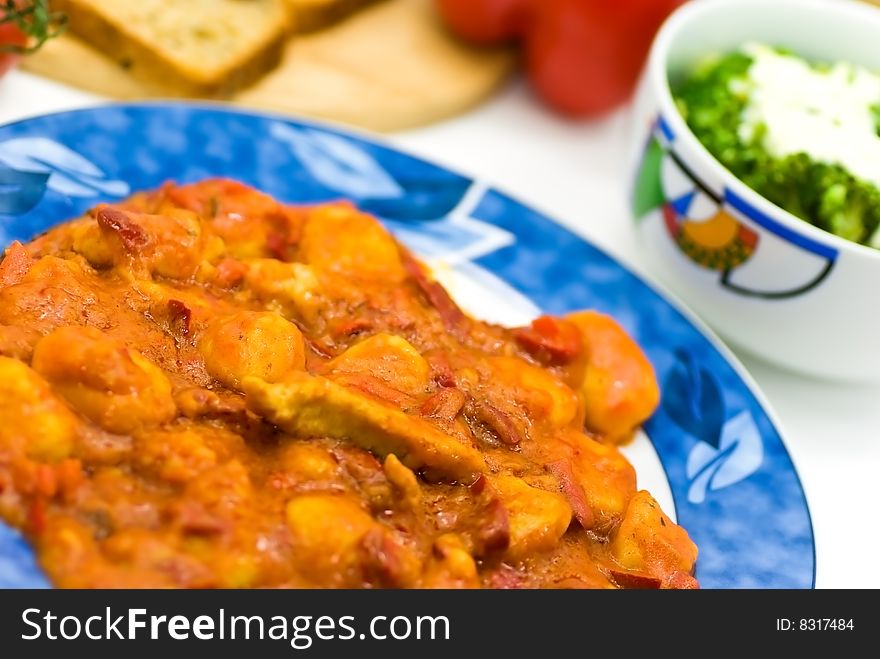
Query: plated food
point(805, 135)
point(203, 387)
point(711, 452)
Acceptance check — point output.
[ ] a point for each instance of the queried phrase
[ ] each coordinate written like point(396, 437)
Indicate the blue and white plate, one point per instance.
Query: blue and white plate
point(712, 454)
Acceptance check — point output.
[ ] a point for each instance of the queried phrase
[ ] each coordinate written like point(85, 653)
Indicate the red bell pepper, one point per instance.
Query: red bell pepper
point(582, 56)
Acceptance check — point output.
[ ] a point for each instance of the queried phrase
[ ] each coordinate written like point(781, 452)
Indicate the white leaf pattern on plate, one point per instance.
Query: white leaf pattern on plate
point(338, 164)
point(739, 454)
point(69, 173)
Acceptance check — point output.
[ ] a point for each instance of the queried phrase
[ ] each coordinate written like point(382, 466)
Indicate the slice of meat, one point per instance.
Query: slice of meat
point(193, 519)
point(503, 425)
point(441, 369)
point(444, 406)
point(313, 406)
point(117, 223)
point(196, 402)
point(572, 491)
point(452, 316)
point(179, 318)
point(634, 579)
point(551, 341)
point(367, 474)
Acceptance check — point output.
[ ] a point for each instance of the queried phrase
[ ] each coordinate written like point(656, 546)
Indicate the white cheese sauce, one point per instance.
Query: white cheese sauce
point(825, 113)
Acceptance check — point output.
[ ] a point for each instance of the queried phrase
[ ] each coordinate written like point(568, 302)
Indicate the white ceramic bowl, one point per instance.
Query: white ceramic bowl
point(766, 280)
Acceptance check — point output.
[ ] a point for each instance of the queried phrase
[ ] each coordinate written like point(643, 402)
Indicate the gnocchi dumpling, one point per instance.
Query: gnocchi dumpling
point(106, 381)
point(252, 344)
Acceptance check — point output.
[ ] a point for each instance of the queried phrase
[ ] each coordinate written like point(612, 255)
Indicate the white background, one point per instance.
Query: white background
point(577, 173)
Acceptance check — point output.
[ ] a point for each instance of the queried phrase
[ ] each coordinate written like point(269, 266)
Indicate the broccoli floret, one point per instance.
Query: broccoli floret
point(843, 218)
point(712, 101)
point(711, 108)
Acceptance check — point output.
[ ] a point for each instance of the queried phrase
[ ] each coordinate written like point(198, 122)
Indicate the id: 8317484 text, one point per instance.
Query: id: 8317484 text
point(814, 624)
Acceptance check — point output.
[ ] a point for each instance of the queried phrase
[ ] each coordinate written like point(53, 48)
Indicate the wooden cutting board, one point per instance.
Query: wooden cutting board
point(389, 67)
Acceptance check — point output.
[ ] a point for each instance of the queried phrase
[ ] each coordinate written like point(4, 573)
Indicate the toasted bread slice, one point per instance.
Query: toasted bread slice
point(194, 48)
point(321, 73)
point(311, 15)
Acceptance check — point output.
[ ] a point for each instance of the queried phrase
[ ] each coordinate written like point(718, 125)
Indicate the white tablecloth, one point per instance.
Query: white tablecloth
point(576, 172)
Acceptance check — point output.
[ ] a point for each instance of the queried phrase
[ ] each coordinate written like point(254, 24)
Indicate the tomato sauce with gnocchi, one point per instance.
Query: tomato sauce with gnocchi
point(203, 387)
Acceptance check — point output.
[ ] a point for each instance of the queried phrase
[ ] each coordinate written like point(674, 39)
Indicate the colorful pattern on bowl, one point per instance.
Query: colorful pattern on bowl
point(717, 229)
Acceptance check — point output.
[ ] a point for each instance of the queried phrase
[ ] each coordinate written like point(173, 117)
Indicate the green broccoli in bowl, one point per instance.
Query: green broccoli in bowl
point(804, 136)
